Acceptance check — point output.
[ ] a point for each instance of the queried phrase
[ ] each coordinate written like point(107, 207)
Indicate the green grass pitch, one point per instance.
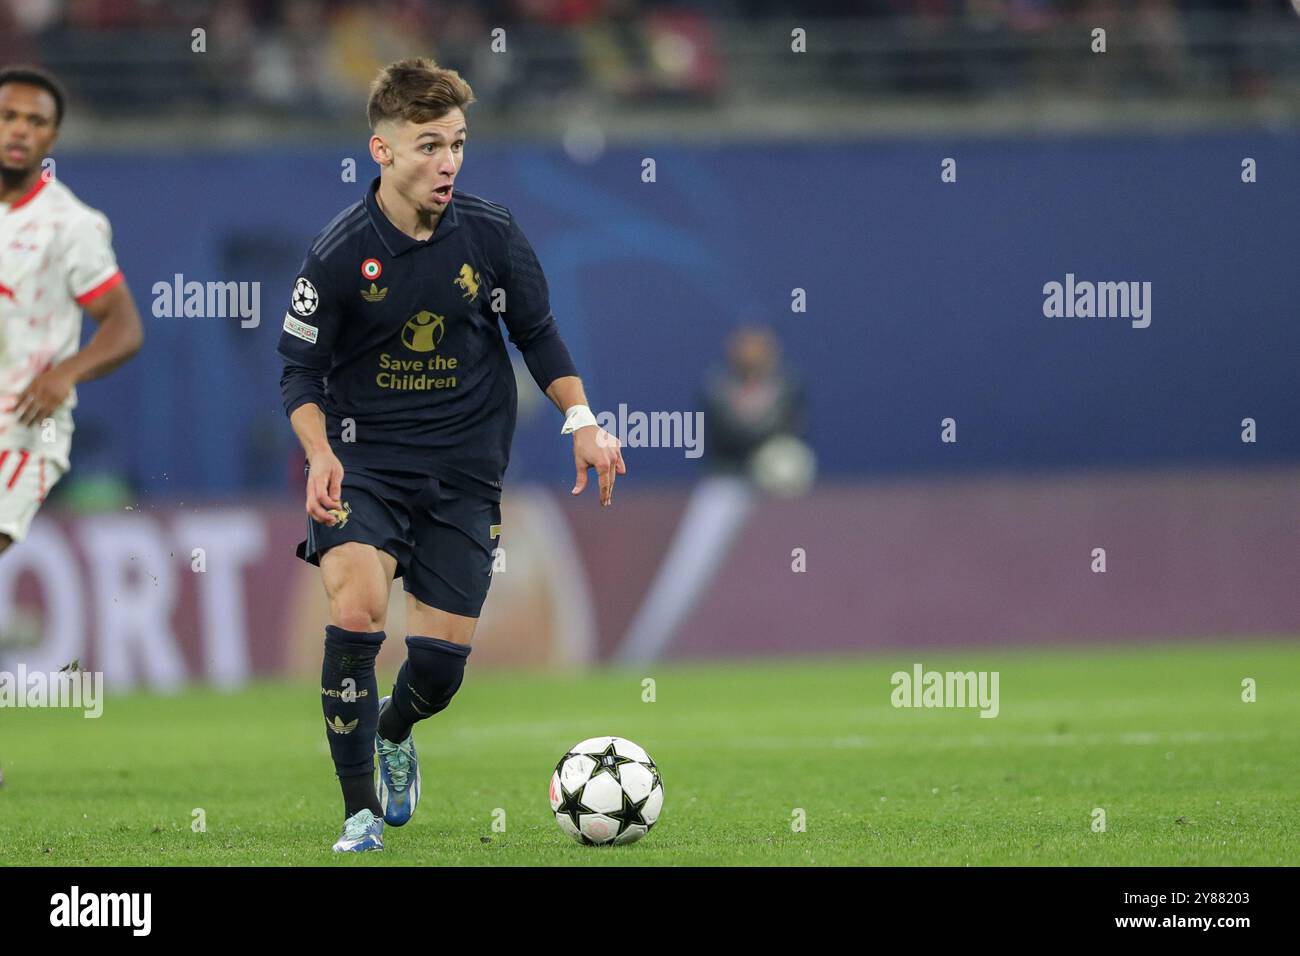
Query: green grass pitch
point(1158, 737)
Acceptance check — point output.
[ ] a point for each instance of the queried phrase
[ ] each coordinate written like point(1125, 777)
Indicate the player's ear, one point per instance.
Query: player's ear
point(380, 151)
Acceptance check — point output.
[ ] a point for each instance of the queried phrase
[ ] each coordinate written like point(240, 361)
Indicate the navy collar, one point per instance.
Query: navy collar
point(398, 242)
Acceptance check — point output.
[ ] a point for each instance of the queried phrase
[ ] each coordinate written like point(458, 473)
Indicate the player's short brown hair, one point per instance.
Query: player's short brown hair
point(417, 90)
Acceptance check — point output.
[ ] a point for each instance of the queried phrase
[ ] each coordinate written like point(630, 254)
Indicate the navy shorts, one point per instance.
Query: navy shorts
point(442, 537)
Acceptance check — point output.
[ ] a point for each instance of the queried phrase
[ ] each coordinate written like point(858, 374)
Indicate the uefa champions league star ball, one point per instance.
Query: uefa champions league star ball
point(305, 298)
point(606, 790)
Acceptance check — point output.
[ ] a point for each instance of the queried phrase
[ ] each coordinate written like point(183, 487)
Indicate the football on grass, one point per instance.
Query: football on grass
point(606, 790)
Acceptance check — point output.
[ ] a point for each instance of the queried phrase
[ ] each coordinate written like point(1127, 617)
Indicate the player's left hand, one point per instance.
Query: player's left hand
point(43, 395)
point(593, 447)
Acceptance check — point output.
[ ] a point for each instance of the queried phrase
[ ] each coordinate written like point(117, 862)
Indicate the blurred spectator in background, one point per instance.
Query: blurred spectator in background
point(272, 58)
point(749, 402)
point(754, 413)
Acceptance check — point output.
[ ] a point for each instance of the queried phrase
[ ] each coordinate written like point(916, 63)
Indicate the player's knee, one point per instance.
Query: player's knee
point(357, 615)
point(359, 606)
point(430, 677)
point(5, 541)
point(357, 586)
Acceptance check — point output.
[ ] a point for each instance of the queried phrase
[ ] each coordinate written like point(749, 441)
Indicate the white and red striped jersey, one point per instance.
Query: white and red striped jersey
point(56, 256)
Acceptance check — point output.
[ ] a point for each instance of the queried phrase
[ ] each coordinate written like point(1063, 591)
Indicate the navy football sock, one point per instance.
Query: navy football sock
point(359, 794)
point(350, 700)
point(429, 678)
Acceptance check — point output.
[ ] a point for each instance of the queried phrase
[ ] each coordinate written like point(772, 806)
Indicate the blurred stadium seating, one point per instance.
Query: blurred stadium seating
point(304, 63)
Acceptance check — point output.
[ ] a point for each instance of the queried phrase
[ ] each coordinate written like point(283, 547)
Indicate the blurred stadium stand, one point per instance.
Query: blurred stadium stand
point(289, 69)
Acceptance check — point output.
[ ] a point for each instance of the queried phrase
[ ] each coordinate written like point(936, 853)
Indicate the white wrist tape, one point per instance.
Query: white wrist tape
point(579, 416)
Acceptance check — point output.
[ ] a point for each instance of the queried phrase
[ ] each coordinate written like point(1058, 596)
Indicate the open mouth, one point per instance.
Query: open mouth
point(443, 193)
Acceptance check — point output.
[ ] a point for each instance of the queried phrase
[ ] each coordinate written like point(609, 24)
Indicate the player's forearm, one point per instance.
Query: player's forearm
point(544, 352)
point(308, 423)
point(118, 337)
point(566, 392)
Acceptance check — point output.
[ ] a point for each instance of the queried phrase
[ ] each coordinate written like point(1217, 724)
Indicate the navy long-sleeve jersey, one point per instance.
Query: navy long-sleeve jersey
point(401, 337)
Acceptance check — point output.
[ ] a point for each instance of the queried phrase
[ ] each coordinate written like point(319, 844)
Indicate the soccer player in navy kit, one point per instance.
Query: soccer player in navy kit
point(399, 386)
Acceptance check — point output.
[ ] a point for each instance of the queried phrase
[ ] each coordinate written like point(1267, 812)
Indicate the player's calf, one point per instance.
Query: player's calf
point(429, 678)
point(350, 701)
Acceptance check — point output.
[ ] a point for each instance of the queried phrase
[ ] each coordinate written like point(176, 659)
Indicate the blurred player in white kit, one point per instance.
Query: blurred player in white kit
point(56, 260)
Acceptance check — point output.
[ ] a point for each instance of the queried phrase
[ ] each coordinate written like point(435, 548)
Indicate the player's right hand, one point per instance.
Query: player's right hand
point(324, 486)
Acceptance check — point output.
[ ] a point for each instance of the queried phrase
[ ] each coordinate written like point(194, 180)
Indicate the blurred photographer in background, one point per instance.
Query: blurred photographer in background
point(754, 415)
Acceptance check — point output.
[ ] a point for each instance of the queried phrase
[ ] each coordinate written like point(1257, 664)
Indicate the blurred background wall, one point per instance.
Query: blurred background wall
point(798, 191)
